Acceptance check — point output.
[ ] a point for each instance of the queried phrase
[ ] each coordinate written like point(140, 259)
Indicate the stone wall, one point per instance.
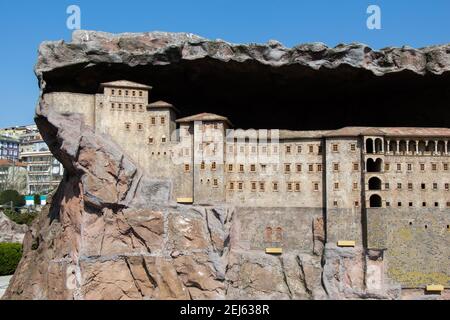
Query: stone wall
point(415, 244)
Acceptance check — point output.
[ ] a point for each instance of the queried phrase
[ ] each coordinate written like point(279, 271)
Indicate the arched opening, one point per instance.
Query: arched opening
point(278, 234)
point(374, 183)
point(378, 145)
point(430, 146)
point(268, 234)
point(393, 146)
point(441, 147)
point(402, 146)
point(375, 201)
point(422, 146)
point(369, 145)
point(374, 165)
point(412, 146)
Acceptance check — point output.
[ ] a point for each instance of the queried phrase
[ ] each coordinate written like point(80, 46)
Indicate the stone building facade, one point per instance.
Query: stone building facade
point(282, 181)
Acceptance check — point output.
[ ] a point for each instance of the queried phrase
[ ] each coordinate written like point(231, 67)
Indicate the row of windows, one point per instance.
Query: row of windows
point(140, 126)
point(422, 204)
point(410, 186)
point(128, 107)
point(422, 166)
point(119, 92)
point(274, 150)
point(263, 167)
point(261, 186)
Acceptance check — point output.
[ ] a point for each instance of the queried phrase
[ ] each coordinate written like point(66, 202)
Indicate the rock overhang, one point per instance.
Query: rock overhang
point(308, 86)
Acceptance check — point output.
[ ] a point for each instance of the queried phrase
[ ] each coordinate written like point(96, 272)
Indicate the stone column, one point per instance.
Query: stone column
point(446, 147)
point(417, 146)
point(388, 146)
point(436, 147)
point(398, 146)
point(407, 146)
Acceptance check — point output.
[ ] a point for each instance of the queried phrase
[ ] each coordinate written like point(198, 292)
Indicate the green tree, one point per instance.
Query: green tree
point(10, 255)
point(8, 196)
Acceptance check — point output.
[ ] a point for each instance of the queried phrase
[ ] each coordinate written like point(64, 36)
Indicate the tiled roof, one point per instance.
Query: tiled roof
point(390, 131)
point(125, 84)
point(161, 104)
point(204, 117)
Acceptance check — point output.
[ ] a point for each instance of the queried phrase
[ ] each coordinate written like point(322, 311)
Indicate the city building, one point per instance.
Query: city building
point(9, 148)
point(44, 172)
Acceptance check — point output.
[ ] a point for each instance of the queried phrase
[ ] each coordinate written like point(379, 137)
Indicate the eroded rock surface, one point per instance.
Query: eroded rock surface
point(11, 231)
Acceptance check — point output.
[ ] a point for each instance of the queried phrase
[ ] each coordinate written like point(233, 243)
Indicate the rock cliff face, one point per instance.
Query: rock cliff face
point(110, 231)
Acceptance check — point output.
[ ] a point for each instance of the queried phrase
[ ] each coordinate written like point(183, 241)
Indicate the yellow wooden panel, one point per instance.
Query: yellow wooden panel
point(435, 288)
point(185, 200)
point(346, 243)
point(274, 250)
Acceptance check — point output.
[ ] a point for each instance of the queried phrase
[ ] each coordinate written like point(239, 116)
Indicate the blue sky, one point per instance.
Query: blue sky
point(26, 23)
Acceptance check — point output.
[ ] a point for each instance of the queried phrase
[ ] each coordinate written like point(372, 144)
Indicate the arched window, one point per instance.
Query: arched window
point(378, 145)
point(374, 165)
point(430, 146)
point(374, 183)
point(422, 146)
point(369, 145)
point(278, 234)
point(375, 201)
point(268, 234)
point(412, 146)
point(402, 146)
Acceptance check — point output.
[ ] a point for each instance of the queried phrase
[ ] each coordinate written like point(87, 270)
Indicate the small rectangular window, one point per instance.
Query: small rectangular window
point(445, 166)
point(352, 147)
point(298, 167)
point(399, 185)
point(163, 139)
point(127, 126)
point(336, 166)
point(299, 149)
point(399, 167)
point(355, 185)
point(240, 186)
point(231, 186)
point(297, 187)
point(319, 167)
point(310, 168)
point(262, 187)
point(336, 186)
point(435, 186)
point(335, 148)
point(447, 186)
point(288, 149)
point(140, 93)
point(202, 165)
point(287, 168)
point(230, 168)
point(356, 203)
point(422, 186)
point(387, 167)
point(153, 120)
point(409, 167)
point(150, 140)
point(410, 186)
point(187, 168)
point(311, 148)
point(252, 167)
point(140, 126)
point(289, 186)
point(356, 166)
point(215, 183)
point(163, 120)
point(253, 186)
point(241, 168)
point(422, 167)
point(275, 186)
point(213, 166)
point(316, 186)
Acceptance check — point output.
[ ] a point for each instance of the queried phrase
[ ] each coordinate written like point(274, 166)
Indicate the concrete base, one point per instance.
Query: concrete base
point(4, 282)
